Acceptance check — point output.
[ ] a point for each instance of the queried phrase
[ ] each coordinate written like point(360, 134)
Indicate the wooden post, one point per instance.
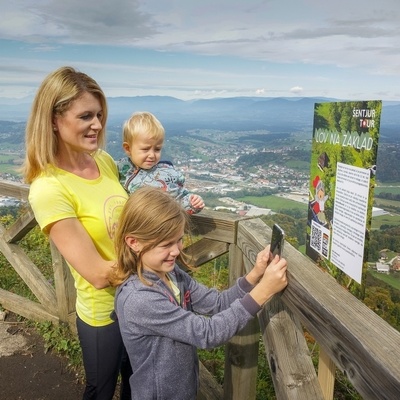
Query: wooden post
point(241, 352)
point(289, 359)
point(287, 352)
point(326, 374)
point(209, 388)
point(64, 285)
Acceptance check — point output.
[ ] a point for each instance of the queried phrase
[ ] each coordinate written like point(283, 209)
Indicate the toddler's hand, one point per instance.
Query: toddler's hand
point(196, 201)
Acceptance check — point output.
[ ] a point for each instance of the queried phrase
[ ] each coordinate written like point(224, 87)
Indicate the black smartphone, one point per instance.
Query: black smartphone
point(277, 240)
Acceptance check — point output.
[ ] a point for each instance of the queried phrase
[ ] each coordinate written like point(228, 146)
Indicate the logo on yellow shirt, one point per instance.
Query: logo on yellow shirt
point(112, 211)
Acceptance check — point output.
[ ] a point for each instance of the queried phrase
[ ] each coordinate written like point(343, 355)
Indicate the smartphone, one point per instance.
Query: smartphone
point(277, 240)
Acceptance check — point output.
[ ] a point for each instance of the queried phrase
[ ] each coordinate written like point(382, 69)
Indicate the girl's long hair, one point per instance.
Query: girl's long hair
point(151, 216)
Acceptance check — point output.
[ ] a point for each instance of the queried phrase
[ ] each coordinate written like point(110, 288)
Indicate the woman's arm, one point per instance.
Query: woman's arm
point(76, 246)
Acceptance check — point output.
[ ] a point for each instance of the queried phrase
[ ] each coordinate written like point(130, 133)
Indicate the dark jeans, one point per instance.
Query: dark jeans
point(104, 357)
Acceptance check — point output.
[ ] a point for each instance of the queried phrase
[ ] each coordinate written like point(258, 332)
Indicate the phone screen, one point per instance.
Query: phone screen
point(277, 240)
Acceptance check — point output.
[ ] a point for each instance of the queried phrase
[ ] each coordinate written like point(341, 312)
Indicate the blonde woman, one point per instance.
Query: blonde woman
point(77, 199)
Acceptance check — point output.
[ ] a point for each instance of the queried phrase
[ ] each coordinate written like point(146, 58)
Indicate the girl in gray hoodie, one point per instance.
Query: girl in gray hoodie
point(163, 313)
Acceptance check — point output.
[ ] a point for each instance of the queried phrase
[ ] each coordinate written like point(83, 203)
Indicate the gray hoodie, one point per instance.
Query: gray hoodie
point(162, 336)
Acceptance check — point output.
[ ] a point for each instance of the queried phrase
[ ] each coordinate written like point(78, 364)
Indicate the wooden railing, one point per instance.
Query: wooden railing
point(351, 337)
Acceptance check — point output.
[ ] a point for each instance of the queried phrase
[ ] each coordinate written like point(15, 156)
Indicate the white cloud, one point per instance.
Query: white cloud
point(296, 90)
point(341, 33)
point(362, 42)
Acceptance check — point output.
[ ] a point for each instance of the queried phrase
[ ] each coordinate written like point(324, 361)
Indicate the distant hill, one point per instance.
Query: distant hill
point(236, 113)
point(277, 115)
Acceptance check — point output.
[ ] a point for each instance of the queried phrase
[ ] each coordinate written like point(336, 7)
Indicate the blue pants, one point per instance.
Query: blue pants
point(104, 357)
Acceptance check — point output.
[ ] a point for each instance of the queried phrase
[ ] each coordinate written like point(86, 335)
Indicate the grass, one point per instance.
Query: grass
point(302, 249)
point(10, 163)
point(386, 203)
point(59, 339)
point(393, 188)
point(391, 279)
point(388, 219)
point(298, 164)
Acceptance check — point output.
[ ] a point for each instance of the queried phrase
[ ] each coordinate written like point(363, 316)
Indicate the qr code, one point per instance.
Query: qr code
point(319, 239)
point(316, 237)
point(325, 244)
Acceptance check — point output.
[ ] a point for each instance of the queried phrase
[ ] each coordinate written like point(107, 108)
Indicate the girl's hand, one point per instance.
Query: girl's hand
point(264, 257)
point(273, 281)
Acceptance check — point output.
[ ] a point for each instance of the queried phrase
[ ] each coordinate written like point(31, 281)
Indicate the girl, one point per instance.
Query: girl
point(163, 313)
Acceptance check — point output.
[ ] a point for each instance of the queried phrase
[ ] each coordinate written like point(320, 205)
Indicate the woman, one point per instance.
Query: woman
point(77, 199)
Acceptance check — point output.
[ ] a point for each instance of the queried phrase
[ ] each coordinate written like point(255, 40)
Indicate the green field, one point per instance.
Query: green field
point(299, 165)
point(393, 188)
point(10, 163)
point(392, 279)
point(280, 204)
point(382, 203)
point(385, 220)
point(275, 203)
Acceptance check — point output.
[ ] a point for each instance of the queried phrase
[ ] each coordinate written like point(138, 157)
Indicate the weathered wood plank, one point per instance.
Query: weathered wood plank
point(209, 388)
point(72, 323)
point(287, 352)
point(14, 189)
point(326, 374)
point(241, 363)
point(205, 250)
point(215, 225)
point(349, 332)
point(24, 224)
point(64, 285)
point(362, 344)
point(26, 308)
point(31, 275)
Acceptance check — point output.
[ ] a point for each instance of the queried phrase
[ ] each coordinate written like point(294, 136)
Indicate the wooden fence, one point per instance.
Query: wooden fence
point(351, 337)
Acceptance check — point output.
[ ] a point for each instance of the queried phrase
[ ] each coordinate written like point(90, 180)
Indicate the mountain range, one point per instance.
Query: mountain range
point(276, 115)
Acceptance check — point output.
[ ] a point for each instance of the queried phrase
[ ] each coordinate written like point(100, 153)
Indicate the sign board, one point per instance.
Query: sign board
point(342, 179)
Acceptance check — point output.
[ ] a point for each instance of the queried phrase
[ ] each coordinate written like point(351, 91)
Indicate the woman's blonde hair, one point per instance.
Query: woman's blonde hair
point(142, 123)
point(151, 216)
point(54, 96)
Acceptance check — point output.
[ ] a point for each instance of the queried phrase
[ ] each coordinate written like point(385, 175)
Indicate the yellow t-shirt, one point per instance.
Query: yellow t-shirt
point(175, 289)
point(97, 204)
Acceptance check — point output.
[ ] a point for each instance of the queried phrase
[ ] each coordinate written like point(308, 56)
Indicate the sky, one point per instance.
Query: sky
point(190, 49)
